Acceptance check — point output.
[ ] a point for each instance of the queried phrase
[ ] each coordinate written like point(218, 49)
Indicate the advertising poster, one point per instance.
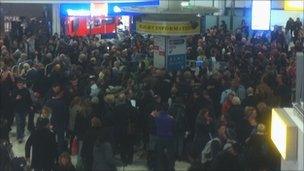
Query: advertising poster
point(176, 53)
point(159, 51)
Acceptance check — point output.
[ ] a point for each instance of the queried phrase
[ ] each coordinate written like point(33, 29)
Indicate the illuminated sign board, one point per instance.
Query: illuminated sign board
point(294, 5)
point(260, 14)
point(284, 134)
point(97, 9)
point(167, 28)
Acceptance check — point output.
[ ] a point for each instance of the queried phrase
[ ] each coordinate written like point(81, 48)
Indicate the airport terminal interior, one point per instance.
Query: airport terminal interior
point(151, 85)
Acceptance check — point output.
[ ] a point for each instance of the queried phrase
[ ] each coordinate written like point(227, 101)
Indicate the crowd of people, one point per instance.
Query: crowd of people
point(100, 99)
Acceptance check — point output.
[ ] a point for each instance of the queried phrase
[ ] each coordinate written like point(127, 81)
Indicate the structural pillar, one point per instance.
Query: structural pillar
point(1, 21)
point(300, 76)
point(56, 19)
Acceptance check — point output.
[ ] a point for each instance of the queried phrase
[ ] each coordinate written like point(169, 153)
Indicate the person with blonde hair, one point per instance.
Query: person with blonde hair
point(264, 115)
point(236, 111)
point(46, 113)
point(64, 163)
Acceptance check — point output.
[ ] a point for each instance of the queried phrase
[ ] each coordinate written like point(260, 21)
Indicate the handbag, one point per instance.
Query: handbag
point(74, 147)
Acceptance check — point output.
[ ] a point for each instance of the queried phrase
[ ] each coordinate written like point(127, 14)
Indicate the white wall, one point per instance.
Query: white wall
point(280, 17)
point(297, 164)
point(201, 3)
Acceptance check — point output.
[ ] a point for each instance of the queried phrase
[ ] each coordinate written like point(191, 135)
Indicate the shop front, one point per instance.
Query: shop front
point(98, 18)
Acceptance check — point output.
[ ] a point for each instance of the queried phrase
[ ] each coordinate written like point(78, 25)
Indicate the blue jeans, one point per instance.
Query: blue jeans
point(20, 120)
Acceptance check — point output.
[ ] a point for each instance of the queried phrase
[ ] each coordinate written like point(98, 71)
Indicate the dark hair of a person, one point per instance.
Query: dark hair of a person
point(203, 111)
point(220, 124)
point(161, 107)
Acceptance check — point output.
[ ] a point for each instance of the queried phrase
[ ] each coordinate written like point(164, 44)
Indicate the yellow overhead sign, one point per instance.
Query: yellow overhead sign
point(294, 5)
point(168, 28)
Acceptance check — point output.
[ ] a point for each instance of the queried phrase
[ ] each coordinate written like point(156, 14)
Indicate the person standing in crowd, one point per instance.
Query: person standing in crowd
point(60, 115)
point(236, 112)
point(289, 28)
point(239, 61)
point(7, 81)
point(64, 163)
point(216, 145)
point(297, 27)
point(43, 144)
point(228, 159)
point(177, 110)
point(204, 129)
point(247, 124)
point(23, 104)
point(165, 126)
point(125, 128)
point(250, 100)
point(258, 154)
point(103, 156)
point(88, 143)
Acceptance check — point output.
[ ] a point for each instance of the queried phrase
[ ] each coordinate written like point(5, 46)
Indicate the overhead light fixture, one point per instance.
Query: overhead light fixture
point(116, 9)
point(185, 3)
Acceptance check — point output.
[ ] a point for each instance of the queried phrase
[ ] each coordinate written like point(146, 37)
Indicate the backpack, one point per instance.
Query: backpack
point(207, 151)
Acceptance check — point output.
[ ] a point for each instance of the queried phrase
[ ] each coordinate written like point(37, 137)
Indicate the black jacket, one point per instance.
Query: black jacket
point(23, 104)
point(226, 161)
point(60, 113)
point(236, 113)
point(43, 144)
point(103, 157)
point(88, 145)
point(249, 101)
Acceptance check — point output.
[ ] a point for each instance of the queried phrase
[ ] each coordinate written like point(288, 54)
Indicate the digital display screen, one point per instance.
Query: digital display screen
point(261, 10)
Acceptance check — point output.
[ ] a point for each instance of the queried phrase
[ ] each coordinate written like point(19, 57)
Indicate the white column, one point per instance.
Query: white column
point(56, 19)
point(220, 4)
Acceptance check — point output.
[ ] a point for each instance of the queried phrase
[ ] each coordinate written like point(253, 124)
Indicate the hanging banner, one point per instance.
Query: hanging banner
point(168, 28)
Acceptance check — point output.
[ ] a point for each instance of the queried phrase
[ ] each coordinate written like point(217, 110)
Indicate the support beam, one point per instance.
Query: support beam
point(56, 19)
point(300, 76)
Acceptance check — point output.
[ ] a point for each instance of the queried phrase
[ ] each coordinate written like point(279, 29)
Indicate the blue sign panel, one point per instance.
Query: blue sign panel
point(65, 8)
point(113, 8)
point(175, 62)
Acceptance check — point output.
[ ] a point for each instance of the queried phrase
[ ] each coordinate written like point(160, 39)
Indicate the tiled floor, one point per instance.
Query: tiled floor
point(138, 165)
